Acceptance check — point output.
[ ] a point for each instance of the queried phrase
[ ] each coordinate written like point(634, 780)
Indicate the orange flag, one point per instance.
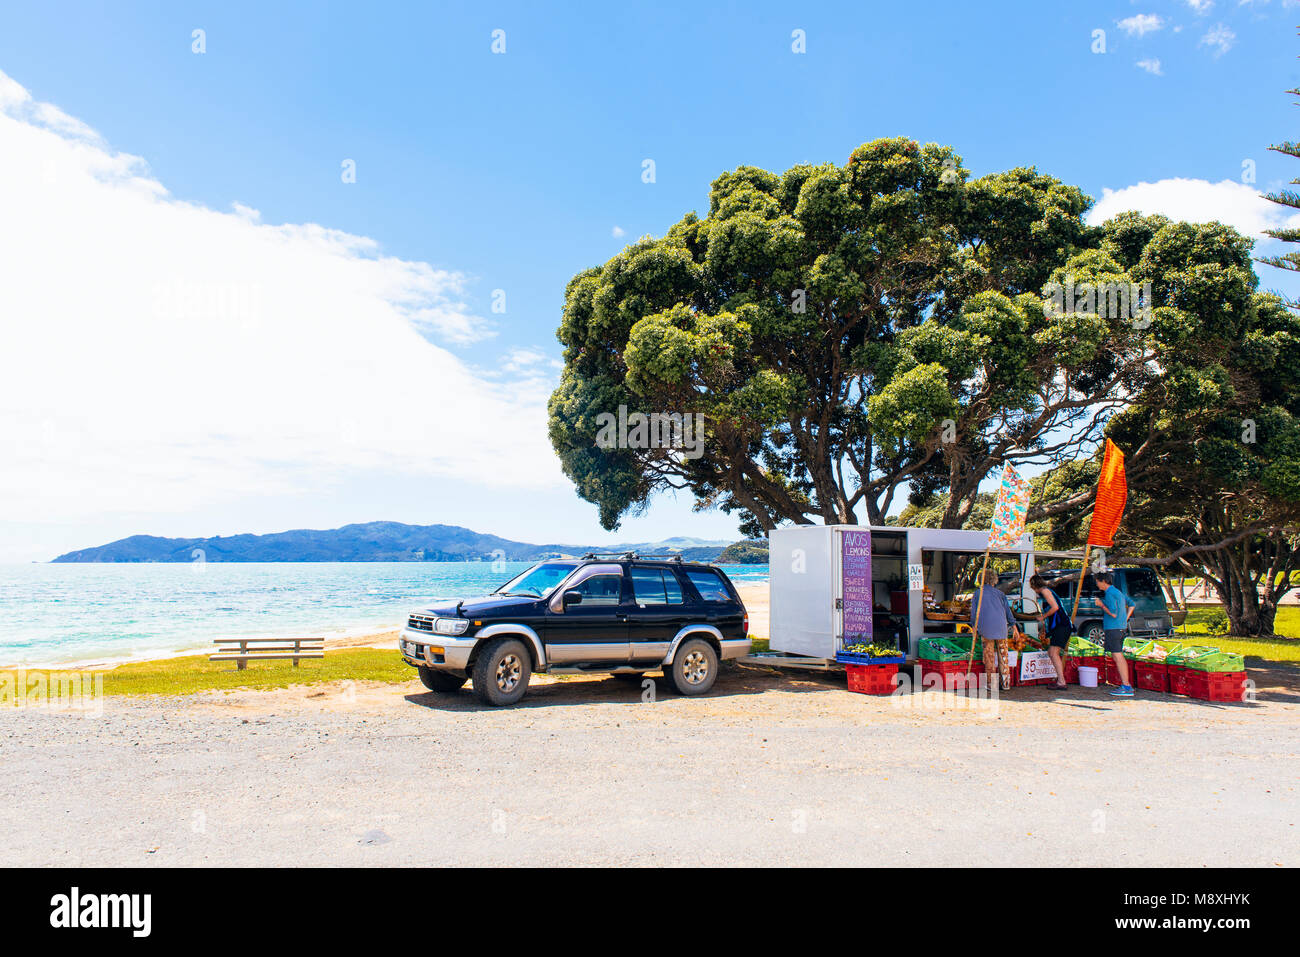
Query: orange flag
point(1112, 496)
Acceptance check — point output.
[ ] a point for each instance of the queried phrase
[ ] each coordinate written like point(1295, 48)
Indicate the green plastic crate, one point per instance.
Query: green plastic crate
point(1083, 648)
point(944, 649)
point(1220, 661)
point(1144, 653)
point(1185, 654)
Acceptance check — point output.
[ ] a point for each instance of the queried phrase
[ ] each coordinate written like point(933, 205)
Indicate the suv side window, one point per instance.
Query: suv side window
point(673, 588)
point(654, 586)
point(600, 590)
point(708, 584)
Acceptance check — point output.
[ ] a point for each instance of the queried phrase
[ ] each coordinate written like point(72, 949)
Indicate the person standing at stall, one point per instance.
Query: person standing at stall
point(995, 624)
point(1114, 622)
point(1056, 622)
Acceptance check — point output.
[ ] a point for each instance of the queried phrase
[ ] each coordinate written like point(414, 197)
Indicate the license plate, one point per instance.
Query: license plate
point(411, 649)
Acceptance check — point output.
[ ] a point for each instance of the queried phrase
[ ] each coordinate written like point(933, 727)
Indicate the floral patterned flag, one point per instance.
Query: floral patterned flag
point(1010, 511)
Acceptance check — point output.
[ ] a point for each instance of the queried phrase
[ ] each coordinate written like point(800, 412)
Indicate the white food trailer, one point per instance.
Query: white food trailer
point(829, 582)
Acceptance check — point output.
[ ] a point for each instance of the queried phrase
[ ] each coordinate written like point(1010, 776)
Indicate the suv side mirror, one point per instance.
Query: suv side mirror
point(572, 597)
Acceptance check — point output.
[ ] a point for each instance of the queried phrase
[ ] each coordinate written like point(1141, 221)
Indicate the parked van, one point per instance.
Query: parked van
point(1151, 618)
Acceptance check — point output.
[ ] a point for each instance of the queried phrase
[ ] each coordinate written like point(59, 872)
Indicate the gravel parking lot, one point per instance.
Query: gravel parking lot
point(768, 769)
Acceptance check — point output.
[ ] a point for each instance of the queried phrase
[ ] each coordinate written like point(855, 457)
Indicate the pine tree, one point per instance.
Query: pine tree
point(1289, 198)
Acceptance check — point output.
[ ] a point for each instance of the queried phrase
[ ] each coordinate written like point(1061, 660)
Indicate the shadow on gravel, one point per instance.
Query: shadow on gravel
point(606, 689)
point(1275, 684)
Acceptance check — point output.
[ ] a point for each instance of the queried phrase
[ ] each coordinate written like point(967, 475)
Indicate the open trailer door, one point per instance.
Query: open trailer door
point(801, 564)
point(821, 590)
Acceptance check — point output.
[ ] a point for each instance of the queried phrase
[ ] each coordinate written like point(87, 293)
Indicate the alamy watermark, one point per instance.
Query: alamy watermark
point(655, 430)
point(1111, 300)
point(53, 690)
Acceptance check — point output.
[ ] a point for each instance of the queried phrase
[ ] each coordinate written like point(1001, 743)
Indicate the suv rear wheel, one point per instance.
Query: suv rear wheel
point(443, 681)
point(502, 672)
point(694, 667)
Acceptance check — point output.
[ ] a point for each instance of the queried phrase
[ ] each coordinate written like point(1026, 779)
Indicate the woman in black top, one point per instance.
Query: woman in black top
point(1057, 623)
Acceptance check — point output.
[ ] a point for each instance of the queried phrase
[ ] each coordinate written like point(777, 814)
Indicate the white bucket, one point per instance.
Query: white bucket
point(1087, 676)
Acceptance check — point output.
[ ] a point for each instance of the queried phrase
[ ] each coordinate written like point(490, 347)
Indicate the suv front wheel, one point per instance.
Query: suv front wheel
point(502, 671)
point(442, 681)
point(694, 667)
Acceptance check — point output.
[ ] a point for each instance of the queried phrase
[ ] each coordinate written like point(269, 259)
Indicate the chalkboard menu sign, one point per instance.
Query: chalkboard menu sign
point(855, 585)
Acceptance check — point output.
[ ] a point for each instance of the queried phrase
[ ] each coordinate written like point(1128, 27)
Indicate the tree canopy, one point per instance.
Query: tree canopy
point(847, 333)
point(891, 327)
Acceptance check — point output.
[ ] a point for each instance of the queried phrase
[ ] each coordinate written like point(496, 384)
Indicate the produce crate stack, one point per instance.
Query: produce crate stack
point(1219, 676)
point(1082, 652)
point(947, 658)
point(1177, 666)
point(871, 668)
point(1151, 667)
point(1131, 646)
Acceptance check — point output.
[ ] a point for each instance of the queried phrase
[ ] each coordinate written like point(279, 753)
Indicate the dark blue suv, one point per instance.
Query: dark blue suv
point(624, 615)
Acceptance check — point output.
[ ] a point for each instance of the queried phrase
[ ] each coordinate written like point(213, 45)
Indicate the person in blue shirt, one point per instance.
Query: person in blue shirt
point(1116, 611)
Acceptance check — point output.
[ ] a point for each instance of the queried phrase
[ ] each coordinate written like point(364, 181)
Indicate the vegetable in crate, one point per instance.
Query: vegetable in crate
point(872, 650)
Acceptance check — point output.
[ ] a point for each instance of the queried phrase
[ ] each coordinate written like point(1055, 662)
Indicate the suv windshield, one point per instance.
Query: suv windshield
point(538, 580)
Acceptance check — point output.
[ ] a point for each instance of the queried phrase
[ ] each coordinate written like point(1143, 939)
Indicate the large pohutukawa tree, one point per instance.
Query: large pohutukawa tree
point(1213, 434)
point(847, 333)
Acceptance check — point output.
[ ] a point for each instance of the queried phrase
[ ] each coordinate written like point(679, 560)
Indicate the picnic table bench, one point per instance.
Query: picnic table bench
point(263, 649)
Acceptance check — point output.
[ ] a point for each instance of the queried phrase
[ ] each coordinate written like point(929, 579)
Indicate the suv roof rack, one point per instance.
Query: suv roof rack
point(632, 556)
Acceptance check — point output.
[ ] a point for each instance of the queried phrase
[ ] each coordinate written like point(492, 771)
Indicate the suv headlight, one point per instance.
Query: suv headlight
point(451, 626)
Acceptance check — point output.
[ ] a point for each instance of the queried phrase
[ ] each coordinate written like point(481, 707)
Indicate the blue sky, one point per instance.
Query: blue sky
point(513, 171)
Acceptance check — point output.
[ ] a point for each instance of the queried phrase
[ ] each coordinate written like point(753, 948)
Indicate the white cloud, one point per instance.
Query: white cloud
point(1152, 66)
point(1141, 24)
point(1219, 38)
point(527, 361)
point(1202, 7)
point(617, 231)
point(1197, 201)
point(161, 356)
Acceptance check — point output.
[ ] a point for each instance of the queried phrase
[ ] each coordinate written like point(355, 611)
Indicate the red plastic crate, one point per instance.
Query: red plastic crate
point(1222, 686)
point(1073, 663)
point(1112, 673)
point(1151, 676)
point(953, 674)
point(871, 679)
point(1178, 680)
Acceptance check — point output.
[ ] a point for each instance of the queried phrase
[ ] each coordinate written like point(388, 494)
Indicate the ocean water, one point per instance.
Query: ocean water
point(54, 615)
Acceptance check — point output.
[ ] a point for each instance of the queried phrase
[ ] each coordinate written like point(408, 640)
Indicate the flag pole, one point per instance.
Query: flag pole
point(979, 597)
point(1078, 589)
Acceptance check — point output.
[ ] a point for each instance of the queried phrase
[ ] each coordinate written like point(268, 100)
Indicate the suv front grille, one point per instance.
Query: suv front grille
point(420, 623)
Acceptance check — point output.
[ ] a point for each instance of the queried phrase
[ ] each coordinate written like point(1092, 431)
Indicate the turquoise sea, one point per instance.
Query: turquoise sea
point(73, 614)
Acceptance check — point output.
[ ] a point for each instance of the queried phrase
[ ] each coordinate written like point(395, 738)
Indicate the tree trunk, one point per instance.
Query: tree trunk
point(1241, 601)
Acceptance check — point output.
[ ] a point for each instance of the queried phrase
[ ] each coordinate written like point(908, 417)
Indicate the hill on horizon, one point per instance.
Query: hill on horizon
point(368, 542)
